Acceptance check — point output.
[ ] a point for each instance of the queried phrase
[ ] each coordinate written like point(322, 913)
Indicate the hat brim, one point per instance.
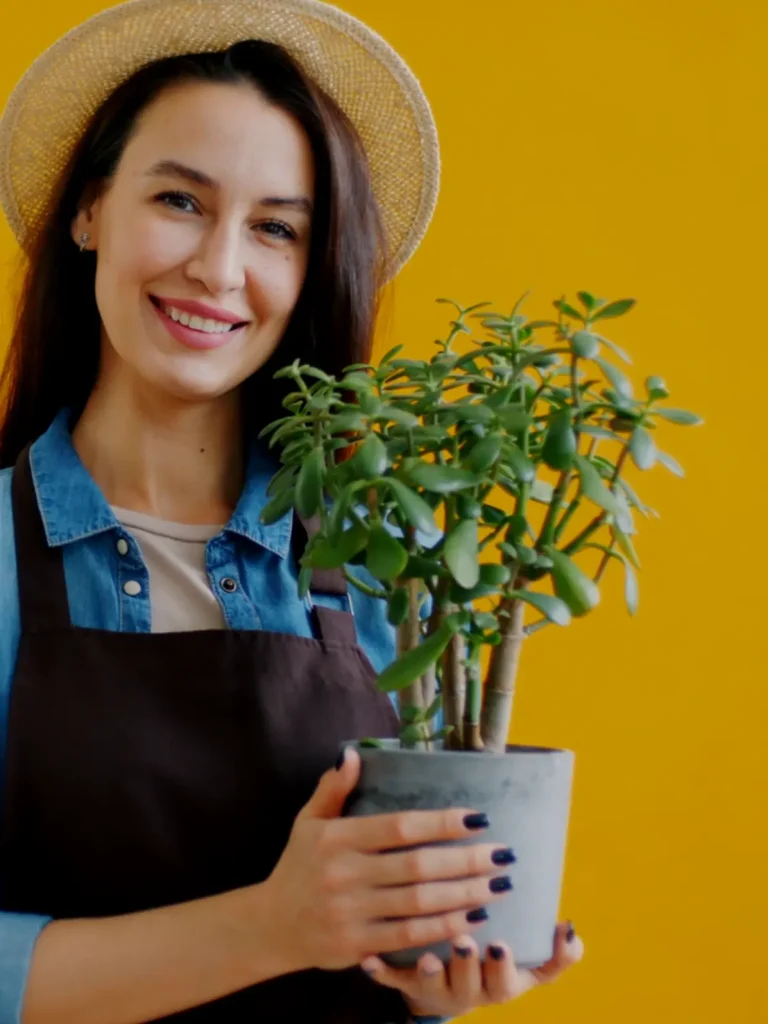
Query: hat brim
point(54, 101)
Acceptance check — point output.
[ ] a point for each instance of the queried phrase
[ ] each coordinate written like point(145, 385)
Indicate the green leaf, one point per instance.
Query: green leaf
point(494, 516)
point(631, 589)
point(521, 466)
point(305, 580)
point(486, 621)
point(370, 459)
point(411, 734)
point(656, 388)
point(552, 608)
point(388, 356)
point(415, 662)
point(433, 708)
point(671, 463)
point(494, 574)
point(626, 545)
point(421, 568)
point(385, 557)
point(461, 553)
point(588, 301)
point(309, 485)
point(414, 508)
point(572, 585)
point(642, 448)
point(624, 356)
point(327, 554)
point(277, 507)
point(563, 307)
point(513, 418)
point(560, 444)
point(485, 453)
point(680, 416)
point(585, 345)
point(441, 479)
point(613, 309)
point(593, 487)
point(284, 478)
point(346, 421)
point(620, 383)
point(356, 382)
point(410, 714)
point(542, 491)
point(369, 743)
point(397, 611)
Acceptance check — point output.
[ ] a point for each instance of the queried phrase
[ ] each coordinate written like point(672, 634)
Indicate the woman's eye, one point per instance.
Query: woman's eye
point(278, 229)
point(177, 201)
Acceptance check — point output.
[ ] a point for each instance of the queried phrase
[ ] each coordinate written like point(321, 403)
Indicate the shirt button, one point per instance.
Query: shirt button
point(132, 588)
point(229, 584)
point(122, 546)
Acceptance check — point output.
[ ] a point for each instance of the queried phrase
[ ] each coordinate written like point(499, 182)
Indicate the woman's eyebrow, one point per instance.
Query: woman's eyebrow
point(174, 169)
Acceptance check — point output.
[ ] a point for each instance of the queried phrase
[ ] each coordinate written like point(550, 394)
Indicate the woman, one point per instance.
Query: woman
point(166, 848)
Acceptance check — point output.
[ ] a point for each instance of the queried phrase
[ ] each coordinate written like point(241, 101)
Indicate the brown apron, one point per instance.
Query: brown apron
point(146, 769)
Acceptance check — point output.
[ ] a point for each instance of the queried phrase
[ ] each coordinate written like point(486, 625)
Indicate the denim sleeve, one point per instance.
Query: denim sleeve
point(18, 932)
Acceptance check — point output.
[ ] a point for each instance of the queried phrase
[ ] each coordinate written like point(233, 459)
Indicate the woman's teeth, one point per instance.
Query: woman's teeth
point(197, 323)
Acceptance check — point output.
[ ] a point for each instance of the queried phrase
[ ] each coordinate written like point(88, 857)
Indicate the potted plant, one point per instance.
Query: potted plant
point(484, 482)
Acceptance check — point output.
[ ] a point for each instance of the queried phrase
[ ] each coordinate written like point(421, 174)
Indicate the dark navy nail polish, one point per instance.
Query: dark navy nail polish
point(503, 857)
point(481, 914)
point(340, 760)
point(476, 821)
point(501, 884)
point(570, 934)
point(463, 951)
point(497, 952)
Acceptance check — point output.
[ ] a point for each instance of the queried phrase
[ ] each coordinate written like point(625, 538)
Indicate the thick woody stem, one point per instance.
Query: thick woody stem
point(454, 691)
point(502, 673)
point(473, 704)
point(408, 637)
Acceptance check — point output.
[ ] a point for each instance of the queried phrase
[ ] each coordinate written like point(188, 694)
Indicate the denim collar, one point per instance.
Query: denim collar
point(73, 507)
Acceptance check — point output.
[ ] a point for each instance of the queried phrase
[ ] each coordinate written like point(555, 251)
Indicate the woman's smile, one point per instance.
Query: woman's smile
point(184, 321)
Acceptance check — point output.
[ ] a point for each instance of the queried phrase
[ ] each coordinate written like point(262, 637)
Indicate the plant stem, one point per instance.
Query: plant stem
point(548, 529)
point(474, 701)
point(363, 587)
point(502, 673)
point(409, 637)
point(599, 520)
point(454, 690)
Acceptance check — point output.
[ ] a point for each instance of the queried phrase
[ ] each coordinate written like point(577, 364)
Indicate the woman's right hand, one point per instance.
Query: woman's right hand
point(332, 896)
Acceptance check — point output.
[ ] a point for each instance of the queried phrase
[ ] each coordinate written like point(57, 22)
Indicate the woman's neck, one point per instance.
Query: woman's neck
point(176, 460)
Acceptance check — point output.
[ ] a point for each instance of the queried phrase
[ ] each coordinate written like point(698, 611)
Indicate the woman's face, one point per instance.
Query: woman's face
point(211, 204)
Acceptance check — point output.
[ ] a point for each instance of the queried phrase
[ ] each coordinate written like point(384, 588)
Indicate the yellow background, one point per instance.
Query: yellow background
point(619, 147)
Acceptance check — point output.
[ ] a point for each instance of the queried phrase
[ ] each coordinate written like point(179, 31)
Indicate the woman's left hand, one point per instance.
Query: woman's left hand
point(432, 990)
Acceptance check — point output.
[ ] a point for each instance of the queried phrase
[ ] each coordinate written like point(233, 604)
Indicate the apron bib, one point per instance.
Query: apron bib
point(147, 769)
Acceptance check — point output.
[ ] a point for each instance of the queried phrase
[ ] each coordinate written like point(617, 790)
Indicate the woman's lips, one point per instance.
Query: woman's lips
point(193, 338)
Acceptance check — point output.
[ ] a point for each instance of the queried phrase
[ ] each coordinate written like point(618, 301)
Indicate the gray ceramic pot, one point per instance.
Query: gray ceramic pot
point(525, 793)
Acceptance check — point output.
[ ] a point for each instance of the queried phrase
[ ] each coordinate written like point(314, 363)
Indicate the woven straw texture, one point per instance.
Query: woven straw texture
point(53, 102)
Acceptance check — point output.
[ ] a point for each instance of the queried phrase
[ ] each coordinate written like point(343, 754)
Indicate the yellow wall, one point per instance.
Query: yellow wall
point(618, 147)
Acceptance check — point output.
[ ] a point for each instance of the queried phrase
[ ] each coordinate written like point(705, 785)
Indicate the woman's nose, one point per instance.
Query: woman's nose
point(219, 261)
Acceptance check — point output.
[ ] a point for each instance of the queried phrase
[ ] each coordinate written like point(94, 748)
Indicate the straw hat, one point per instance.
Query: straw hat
point(52, 104)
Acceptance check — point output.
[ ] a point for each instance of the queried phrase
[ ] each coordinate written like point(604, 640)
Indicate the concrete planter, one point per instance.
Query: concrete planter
point(525, 793)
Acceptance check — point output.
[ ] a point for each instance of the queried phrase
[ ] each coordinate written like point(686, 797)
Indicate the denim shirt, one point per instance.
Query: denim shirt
point(78, 519)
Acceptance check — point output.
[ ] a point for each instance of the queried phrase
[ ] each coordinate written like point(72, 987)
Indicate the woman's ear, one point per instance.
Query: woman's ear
point(86, 222)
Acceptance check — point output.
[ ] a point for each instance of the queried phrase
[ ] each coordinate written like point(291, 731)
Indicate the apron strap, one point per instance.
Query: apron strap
point(333, 625)
point(43, 600)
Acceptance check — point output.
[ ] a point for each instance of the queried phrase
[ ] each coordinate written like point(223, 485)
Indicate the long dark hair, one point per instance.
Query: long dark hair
point(53, 357)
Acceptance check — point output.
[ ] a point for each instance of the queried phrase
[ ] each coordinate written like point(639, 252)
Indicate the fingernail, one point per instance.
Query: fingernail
point(476, 821)
point(497, 952)
point(431, 969)
point(480, 914)
point(370, 971)
point(503, 857)
point(570, 934)
point(463, 951)
point(340, 760)
point(501, 884)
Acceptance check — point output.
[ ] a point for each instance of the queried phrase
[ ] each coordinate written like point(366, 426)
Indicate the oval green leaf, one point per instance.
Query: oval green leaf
point(642, 448)
point(414, 508)
point(441, 479)
point(461, 553)
point(309, 484)
point(385, 557)
point(552, 608)
point(560, 444)
point(414, 663)
point(572, 585)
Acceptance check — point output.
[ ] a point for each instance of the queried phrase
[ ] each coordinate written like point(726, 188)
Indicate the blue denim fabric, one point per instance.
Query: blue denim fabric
point(78, 519)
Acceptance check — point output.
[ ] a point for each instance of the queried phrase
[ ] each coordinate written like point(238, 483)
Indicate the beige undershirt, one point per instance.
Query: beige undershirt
point(180, 593)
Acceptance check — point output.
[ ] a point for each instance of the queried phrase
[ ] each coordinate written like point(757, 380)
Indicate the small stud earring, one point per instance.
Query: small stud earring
point(84, 240)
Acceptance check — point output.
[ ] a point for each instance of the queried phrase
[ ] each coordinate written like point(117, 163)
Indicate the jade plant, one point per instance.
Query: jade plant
point(471, 486)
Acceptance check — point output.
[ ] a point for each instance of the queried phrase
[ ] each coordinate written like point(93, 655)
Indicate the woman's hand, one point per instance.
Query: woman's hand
point(432, 990)
point(334, 897)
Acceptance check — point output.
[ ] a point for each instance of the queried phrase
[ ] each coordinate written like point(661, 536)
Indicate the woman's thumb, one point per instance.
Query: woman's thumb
point(334, 787)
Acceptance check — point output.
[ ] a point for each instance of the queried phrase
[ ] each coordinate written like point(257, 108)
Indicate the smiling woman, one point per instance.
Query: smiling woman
point(172, 840)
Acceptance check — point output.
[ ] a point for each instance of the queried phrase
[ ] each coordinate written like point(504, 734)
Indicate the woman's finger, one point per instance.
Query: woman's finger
point(435, 863)
point(500, 976)
point(465, 972)
point(569, 949)
point(404, 979)
point(434, 897)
